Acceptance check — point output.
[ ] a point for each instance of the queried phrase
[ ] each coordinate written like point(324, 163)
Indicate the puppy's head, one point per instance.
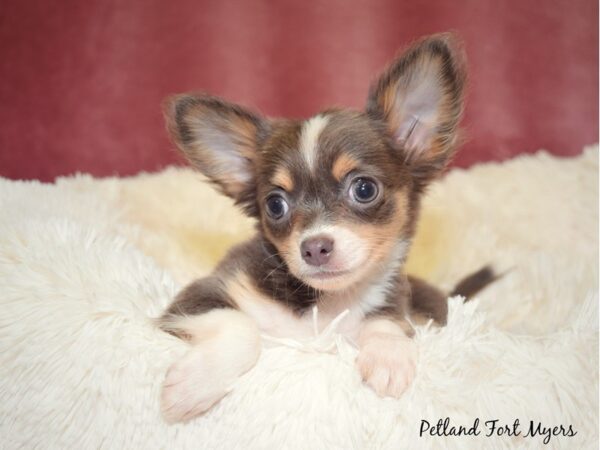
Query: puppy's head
point(336, 194)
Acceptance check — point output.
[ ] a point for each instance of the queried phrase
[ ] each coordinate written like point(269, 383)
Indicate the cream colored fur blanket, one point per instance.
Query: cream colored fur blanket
point(85, 264)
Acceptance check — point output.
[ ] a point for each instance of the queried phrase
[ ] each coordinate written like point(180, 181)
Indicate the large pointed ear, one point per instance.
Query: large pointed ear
point(220, 139)
point(420, 99)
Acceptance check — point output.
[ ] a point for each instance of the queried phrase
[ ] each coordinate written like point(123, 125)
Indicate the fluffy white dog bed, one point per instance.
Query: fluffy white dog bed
point(86, 264)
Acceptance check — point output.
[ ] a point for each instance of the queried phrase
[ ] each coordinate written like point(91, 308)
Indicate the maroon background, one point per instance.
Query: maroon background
point(81, 81)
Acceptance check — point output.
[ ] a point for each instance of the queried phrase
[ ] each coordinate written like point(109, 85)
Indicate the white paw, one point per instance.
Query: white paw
point(191, 387)
point(387, 363)
point(226, 344)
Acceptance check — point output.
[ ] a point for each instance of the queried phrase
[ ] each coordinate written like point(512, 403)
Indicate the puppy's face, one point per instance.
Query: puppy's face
point(337, 193)
point(333, 197)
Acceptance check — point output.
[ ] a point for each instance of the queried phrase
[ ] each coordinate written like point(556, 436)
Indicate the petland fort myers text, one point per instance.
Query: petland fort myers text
point(494, 427)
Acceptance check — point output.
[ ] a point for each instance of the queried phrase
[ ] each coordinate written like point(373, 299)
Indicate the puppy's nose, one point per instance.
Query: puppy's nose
point(317, 250)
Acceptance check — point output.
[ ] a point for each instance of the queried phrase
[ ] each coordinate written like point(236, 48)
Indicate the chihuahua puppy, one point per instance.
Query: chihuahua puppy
point(336, 198)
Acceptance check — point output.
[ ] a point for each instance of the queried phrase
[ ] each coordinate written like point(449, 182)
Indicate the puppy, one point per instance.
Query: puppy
point(336, 198)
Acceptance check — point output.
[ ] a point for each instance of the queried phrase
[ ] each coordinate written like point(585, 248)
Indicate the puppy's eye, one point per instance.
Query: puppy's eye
point(364, 190)
point(277, 206)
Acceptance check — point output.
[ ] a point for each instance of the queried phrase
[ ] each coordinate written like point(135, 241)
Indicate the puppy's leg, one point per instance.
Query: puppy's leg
point(387, 355)
point(225, 344)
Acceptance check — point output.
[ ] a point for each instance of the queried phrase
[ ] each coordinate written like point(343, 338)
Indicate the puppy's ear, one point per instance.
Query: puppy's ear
point(220, 139)
point(420, 99)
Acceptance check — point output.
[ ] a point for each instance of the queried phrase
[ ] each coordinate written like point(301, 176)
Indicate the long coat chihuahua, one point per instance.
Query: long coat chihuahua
point(336, 198)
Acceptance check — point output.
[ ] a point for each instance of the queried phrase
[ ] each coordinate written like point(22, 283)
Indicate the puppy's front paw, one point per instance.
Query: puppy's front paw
point(387, 363)
point(190, 388)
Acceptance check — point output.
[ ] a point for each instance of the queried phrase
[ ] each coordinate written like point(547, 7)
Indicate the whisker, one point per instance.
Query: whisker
point(269, 257)
point(273, 271)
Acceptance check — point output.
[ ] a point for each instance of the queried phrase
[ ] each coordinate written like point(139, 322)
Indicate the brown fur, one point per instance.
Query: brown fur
point(472, 284)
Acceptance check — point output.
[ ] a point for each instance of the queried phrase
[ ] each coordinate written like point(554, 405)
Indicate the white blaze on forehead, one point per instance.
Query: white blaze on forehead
point(309, 137)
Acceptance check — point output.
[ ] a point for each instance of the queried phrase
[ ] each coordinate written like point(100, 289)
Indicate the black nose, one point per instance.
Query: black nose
point(317, 250)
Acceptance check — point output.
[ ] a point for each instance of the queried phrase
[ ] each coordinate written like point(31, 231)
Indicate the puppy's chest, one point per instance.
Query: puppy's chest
point(276, 319)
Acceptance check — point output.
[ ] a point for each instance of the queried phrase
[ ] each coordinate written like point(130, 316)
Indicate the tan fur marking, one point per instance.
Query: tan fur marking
point(383, 238)
point(285, 245)
point(343, 165)
point(283, 179)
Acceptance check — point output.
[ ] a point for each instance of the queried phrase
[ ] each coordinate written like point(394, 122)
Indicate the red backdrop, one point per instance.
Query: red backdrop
point(81, 81)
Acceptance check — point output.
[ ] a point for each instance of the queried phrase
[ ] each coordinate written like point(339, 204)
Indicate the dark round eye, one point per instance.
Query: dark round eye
point(277, 207)
point(364, 190)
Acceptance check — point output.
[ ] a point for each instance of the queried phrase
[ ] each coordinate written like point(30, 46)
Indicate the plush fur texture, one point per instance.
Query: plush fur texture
point(86, 265)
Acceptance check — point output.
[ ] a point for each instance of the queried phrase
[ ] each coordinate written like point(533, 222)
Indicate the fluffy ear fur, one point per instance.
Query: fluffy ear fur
point(220, 139)
point(420, 99)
